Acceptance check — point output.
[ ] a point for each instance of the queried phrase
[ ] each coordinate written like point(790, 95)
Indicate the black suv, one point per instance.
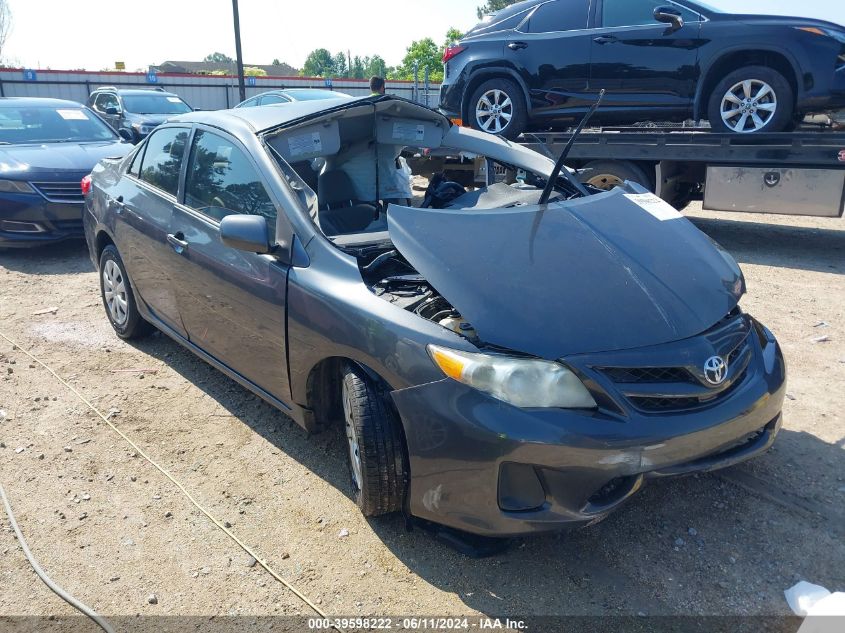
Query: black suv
point(541, 63)
point(134, 113)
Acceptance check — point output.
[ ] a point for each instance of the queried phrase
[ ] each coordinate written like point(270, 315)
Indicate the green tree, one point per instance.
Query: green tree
point(340, 65)
point(252, 71)
point(492, 6)
point(375, 66)
point(276, 62)
point(453, 35)
point(426, 54)
point(218, 57)
point(319, 63)
point(358, 68)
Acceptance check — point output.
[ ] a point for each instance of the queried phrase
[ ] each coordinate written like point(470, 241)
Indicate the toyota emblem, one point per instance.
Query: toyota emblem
point(715, 370)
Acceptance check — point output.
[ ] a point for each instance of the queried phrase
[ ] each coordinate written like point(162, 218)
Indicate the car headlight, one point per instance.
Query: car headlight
point(521, 382)
point(15, 186)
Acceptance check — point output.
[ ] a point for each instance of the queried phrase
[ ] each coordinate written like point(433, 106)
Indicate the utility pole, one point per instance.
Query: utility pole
point(238, 54)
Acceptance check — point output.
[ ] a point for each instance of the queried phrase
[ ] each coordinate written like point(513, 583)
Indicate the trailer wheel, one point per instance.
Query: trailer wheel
point(749, 100)
point(607, 174)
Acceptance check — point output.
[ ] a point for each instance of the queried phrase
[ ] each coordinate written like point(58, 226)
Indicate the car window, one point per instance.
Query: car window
point(559, 15)
point(248, 103)
point(636, 12)
point(106, 100)
point(135, 167)
point(155, 104)
point(163, 158)
point(269, 99)
point(48, 124)
point(222, 180)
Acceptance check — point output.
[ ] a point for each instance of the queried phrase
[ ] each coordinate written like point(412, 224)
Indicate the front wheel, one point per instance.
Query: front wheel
point(751, 99)
point(498, 107)
point(377, 462)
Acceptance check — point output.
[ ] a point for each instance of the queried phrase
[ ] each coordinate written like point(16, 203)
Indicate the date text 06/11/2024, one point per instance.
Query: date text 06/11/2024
point(417, 624)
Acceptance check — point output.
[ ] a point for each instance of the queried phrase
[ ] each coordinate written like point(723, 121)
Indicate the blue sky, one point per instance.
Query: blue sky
point(93, 34)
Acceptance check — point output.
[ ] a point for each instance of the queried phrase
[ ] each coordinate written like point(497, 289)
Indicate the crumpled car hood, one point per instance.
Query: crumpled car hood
point(602, 273)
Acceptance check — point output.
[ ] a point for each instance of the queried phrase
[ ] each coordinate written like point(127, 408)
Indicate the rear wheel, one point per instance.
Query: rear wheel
point(498, 107)
point(749, 100)
point(607, 174)
point(375, 445)
point(118, 300)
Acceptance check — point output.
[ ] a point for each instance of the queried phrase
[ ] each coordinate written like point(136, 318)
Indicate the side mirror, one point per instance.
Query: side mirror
point(112, 110)
point(125, 134)
point(669, 15)
point(246, 233)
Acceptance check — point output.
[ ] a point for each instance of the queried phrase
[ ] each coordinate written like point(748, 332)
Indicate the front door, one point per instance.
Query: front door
point(232, 303)
point(552, 52)
point(643, 64)
point(105, 101)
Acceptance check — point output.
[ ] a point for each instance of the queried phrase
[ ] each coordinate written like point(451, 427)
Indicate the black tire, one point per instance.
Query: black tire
point(606, 174)
point(517, 109)
point(781, 96)
point(127, 322)
point(381, 448)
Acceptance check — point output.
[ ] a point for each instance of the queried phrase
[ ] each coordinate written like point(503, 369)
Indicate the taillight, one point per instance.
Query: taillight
point(452, 51)
point(85, 185)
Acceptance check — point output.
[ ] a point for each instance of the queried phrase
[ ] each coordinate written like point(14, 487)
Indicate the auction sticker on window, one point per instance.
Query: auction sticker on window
point(305, 144)
point(658, 207)
point(408, 131)
point(73, 115)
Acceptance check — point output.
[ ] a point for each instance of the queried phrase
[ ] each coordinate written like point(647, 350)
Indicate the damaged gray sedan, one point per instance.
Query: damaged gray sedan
point(511, 358)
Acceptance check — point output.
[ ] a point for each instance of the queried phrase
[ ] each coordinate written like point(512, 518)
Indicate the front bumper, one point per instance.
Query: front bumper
point(470, 454)
point(28, 220)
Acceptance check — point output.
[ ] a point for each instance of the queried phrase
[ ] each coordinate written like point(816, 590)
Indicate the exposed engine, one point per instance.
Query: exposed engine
point(393, 279)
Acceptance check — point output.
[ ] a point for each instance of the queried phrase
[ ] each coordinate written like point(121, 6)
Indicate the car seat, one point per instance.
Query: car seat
point(339, 212)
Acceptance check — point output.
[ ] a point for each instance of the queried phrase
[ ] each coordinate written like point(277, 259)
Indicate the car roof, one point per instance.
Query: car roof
point(40, 101)
point(135, 91)
point(262, 118)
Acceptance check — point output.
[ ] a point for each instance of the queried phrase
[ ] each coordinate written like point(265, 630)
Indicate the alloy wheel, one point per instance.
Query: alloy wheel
point(114, 292)
point(748, 106)
point(352, 439)
point(494, 111)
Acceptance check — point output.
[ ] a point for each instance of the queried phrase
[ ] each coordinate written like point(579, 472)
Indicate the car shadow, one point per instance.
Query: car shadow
point(805, 248)
point(64, 258)
point(720, 543)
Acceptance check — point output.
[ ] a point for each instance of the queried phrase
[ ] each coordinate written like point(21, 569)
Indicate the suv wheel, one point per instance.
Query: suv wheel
point(118, 299)
point(749, 100)
point(376, 449)
point(498, 107)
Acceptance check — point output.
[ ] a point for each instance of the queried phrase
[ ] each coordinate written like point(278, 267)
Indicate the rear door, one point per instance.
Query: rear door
point(102, 102)
point(644, 64)
point(553, 50)
point(231, 302)
point(143, 202)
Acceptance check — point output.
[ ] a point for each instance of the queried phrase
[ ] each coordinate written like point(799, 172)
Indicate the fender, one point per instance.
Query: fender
point(476, 70)
point(700, 100)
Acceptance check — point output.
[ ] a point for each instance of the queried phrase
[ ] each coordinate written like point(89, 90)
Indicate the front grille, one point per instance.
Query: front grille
point(60, 191)
point(633, 375)
point(680, 379)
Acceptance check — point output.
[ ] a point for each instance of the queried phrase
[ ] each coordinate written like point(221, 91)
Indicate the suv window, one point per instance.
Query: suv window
point(222, 180)
point(163, 158)
point(559, 15)
point(106, 100)
point(636, 12)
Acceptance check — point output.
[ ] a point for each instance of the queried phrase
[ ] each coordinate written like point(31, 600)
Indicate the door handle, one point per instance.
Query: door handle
point(515, 46)
point(177, 241)
point(605, 39)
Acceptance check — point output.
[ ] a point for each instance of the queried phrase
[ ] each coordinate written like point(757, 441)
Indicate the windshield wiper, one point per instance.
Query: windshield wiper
point(550, 185)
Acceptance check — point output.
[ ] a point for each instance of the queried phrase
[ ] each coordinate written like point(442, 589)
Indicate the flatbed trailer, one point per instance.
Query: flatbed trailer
point(800, 173)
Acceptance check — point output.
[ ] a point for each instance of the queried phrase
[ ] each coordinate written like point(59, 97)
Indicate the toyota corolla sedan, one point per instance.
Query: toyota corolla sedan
point(501, 362)
point(46, 147)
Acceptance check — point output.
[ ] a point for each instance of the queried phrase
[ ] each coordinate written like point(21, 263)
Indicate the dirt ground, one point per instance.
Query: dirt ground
point(113, 531)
